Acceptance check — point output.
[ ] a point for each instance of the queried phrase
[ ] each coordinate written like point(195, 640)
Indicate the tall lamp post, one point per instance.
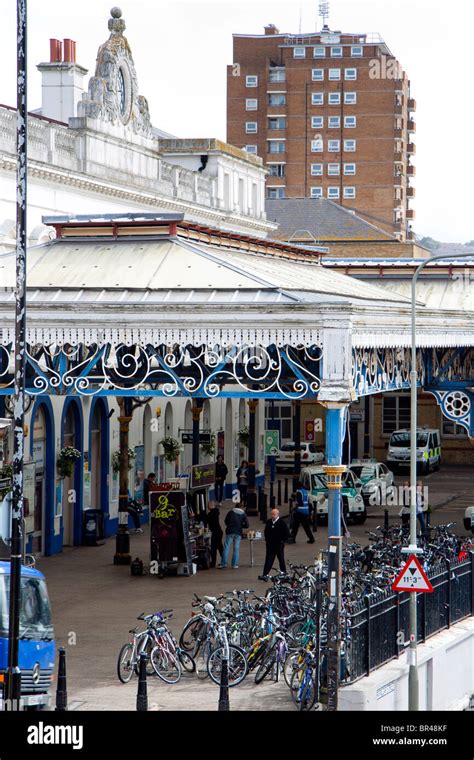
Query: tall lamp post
point(13, 674)
point(413, 703)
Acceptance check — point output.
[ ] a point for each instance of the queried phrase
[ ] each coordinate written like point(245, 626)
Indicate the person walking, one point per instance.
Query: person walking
point(276, 533)
point(212, 520)
point(301, 513)
point(220, 476)
point(420, 505)
point(242, 481)
point(405, 501)
point(235, 520)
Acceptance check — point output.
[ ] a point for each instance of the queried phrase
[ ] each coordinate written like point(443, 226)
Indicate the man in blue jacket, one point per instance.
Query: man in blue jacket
point(301, 513)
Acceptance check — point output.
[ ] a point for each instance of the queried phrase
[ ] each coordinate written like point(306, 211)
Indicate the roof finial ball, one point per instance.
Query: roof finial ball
point(116, 23)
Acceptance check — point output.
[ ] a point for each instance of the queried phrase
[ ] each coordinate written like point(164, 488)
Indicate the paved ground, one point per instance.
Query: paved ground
point(95, 603)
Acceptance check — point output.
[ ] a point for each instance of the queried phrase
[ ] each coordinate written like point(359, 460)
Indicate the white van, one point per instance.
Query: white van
point(428, 449)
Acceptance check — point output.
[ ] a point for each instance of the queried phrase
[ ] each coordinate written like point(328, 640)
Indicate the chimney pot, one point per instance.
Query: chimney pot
point(69, 51)
point(55, 50)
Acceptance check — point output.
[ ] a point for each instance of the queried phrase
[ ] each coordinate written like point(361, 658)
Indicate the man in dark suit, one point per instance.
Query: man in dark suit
point(276, 533)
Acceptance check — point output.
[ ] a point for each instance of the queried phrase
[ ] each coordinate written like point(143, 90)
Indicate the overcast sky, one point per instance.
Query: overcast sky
point(181, 50)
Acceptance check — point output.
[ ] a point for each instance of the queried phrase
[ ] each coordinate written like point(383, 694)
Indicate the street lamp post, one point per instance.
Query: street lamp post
point(13, 675)
point(413, 703)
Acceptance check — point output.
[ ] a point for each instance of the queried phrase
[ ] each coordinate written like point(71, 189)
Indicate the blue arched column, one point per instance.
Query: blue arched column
point(78, 481)
point(51, 544)
point(110, 526)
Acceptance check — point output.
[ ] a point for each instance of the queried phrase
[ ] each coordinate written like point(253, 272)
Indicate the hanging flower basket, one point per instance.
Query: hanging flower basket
point(243, 436)
point(116, 459)
point(172, 448)
point(209, 449)
point(66, 459)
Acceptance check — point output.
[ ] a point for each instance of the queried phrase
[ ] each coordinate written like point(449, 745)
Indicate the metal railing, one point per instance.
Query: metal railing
point(379, 623)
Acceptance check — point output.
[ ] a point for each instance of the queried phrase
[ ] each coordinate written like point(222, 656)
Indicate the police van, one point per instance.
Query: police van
point(428, 449)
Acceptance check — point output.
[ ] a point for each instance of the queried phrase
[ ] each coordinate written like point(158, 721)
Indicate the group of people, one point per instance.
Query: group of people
point(276, 533)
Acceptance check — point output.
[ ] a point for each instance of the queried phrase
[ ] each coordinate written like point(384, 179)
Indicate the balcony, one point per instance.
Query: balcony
point(410, 213)
point(398, 133)
point(411, 104)
point(411, 125)
point(411, 148)
point(411, 192)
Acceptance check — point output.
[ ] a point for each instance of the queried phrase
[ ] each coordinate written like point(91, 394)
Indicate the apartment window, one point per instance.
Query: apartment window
point(251, 127)
point(277, 122)
point(334, 74)
point(317, 75)
point(251, 104)
point(350, 98)
point(276, 146)
point(334, 98)
point(317, 122)
point(251, 148)
point(276, 170)
point(251, 80)
point(452, 429)
point(334, 146)
point(277, 75)
point(350, 121)
point(357, 51)
point(317, 98)
point(334, 170)
point(395, 413)
point(349, 169)
point(336, 51)
point(350, 146)
point(319, 51)
point(350, 74)
point(316, 146)
point(276, 99)
point(333, 192)
point(276, 192)
point(334, 122)
point(349, 192)
point(316, 192)
point(299, 52)
point(316, 170)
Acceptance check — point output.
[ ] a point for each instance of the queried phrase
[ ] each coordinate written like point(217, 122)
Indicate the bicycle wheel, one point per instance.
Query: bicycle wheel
point(265, 666)
point(186, 661)
point(201, 660)
point(166, 665)
point(237, 665)
point(125, 665)
point(191, 635)
point(254, 658)
point(147, 649)
point(303, 690)
point(293, 662)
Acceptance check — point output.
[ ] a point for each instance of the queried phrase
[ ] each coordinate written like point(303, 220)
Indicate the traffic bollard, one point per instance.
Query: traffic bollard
point(260, 502)
point(385, 519)
point(286, 491)
point(142, 697)
point(279, 493)
point(61, 688)
point(223, 705)
point(272, 494)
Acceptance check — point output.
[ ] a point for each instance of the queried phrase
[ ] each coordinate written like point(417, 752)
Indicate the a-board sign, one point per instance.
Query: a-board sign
point(166, 530)
point(202, 475)
point(412, 577)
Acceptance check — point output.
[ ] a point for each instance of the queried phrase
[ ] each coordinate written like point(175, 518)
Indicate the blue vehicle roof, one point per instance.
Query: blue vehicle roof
point(27, 572)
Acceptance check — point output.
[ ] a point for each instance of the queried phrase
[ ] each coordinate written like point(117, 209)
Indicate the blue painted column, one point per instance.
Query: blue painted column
point(335, 433)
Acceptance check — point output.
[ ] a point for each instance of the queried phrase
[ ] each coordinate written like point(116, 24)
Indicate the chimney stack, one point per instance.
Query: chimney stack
point(62, 81)
point(271, 29)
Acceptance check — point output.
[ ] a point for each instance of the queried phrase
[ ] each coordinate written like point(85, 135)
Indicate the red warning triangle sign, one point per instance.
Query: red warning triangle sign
point(412, 577)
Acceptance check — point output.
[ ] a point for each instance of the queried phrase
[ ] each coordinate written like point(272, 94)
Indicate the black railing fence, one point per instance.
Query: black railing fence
point(379, 623)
